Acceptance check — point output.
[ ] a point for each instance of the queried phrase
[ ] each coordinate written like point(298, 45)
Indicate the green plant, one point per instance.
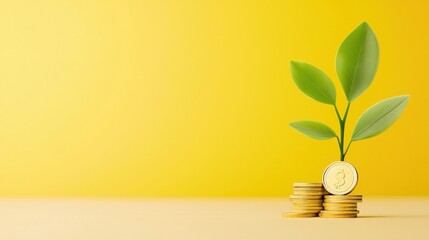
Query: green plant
point(356, 65)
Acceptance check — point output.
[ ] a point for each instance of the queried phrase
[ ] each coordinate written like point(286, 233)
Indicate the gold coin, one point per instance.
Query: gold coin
point(340, 212)
point(308, 208)
point(309, 193)
point(305, 210)
point(340, 178)
point(318, 189)
point(327, 204)
point(340, 209)
point(305, 197)
point(342, 201)
point(359, 197)
point(298, 201)
point(299, 215)
point(309, 188)
point(303, 184)
point(307, 204)
point(335, 213)
point(313, 193)
point(337, 216)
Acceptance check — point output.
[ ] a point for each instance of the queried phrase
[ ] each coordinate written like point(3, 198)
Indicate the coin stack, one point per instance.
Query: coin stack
point(307, 200)
point(339, 179)
point(340, 206)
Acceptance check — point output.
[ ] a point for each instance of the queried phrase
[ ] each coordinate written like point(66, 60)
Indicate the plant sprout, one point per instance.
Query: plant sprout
point(356, 65)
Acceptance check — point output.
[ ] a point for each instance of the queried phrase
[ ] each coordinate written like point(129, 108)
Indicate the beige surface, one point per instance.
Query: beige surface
point(61, 219)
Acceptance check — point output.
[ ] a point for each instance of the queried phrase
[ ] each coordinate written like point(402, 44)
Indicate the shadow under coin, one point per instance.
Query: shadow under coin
point(393, 216)
point(376, 216)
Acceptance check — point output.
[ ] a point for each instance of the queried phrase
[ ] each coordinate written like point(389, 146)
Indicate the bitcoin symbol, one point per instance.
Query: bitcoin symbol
point(340, 179)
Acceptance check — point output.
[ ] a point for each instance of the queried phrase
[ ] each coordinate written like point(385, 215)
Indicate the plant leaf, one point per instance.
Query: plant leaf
point(313, 82)
point(379, 117)
point(313, 129)
point(357, 61)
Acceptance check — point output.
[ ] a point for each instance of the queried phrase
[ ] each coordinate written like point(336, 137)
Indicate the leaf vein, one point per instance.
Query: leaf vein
point(358, 63)
point(378, 119)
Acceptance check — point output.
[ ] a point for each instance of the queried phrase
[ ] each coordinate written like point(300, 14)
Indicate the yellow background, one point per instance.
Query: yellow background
point(192, 98)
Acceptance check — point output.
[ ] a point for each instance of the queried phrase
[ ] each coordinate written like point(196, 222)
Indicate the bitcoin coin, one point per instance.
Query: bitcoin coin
point(340, 178)
point(299, 215)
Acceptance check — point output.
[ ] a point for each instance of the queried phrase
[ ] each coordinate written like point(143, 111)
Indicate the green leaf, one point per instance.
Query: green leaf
point(379, 117)
point(357, 61)
point(313, 82)
point(313, 129)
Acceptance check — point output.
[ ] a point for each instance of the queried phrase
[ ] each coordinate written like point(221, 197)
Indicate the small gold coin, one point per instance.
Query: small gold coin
point(340, 178)
point(352, 197)
point(337, 216)
point(308, 208)
point(306, 185)
point(309, 189)
point(340, 209)
point(308, 193)
point(305, 197)
point(340, 212)
point(303, 205)
point(327, 204)
point(299, 215)
point(299, 201)
point(318, 189)
point(342, 201)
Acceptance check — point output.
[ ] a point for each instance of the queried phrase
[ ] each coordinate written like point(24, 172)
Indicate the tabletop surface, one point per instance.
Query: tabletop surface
point(62, 219)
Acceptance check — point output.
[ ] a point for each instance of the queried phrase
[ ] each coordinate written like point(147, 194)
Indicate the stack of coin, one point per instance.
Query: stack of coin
point(340, 206)
point(307, 200)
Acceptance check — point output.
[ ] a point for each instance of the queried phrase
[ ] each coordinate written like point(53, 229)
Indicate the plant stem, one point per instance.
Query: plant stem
point(338, 114)
point(343, 129)
point(342, 122)
point(347, 149)
point(339, 146)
